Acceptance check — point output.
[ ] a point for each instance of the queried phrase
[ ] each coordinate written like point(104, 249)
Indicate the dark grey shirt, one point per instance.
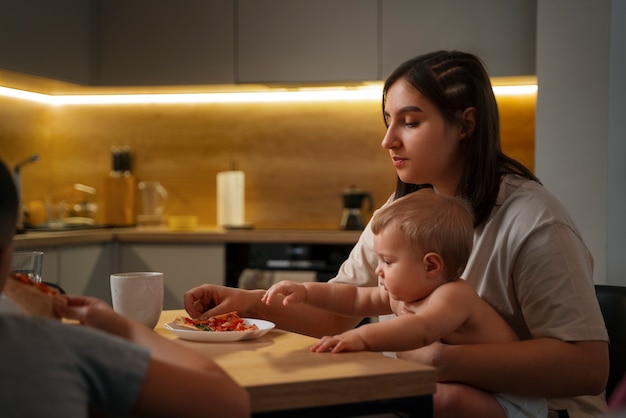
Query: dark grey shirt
point(51, 369)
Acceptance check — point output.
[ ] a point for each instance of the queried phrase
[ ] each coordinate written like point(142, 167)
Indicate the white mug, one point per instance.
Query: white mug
point(138, 296)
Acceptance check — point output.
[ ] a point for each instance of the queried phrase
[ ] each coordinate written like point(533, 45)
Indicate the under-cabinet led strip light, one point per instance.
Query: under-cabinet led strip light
point(301, 95)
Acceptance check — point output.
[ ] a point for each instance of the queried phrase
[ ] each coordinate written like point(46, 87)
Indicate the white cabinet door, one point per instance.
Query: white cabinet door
point(307, 41)
point(183, 265)
point(165, 42)
point(501, 33)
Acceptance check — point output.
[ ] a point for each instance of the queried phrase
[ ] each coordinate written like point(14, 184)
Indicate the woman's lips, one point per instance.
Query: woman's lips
point(397, 161)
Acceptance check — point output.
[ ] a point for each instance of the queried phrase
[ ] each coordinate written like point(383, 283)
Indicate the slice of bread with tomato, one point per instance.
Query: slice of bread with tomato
point(35, 299)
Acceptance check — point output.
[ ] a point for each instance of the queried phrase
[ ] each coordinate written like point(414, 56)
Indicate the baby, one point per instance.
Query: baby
point(422, 241)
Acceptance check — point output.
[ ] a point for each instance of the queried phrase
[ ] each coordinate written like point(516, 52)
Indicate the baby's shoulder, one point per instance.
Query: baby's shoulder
point(460, 286)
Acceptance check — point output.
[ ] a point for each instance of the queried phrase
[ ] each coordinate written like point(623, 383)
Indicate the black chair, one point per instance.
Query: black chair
point(612, 301)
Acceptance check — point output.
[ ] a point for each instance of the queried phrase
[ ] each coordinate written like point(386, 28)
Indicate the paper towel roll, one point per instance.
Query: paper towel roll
point(231, 198)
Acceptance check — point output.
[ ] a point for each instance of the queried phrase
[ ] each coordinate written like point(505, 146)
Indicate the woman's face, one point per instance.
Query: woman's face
point(424, 149)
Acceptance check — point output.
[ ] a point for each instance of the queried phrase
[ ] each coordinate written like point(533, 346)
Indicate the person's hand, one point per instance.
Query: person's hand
point(348, 341)
point(92, 312)
point(292, 291)
point(209, 300)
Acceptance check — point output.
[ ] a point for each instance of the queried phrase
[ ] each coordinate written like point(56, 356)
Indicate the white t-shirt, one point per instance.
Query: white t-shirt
point(530, 263)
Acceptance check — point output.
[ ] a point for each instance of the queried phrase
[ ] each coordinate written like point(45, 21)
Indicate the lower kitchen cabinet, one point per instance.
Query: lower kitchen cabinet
point(85, 270)
point(183, 265)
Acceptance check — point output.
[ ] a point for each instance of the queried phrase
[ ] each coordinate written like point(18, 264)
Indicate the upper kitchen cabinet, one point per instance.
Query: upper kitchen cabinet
point(501, 33)
point(47, 38)
point(302, 41)
point(165, 42)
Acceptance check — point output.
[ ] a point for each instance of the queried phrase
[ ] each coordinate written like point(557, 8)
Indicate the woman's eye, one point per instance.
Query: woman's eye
point(411, 123)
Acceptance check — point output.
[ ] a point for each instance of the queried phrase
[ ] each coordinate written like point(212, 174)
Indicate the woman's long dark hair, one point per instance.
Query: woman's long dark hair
point(454, 81)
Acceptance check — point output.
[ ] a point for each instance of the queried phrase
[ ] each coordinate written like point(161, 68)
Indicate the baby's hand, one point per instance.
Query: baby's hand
point(293, 292)
point(348, 341)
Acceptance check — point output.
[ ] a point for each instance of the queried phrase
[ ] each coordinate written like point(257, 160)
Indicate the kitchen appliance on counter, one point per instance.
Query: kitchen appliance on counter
point(152, 198)
point(82, 209)
point(353, 200)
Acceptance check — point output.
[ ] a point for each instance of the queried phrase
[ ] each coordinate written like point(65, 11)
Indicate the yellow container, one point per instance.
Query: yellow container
point(182, 223)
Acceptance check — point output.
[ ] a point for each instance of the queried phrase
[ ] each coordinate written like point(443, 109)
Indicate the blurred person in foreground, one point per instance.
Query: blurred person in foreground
point(108, 366)
point(529, 261)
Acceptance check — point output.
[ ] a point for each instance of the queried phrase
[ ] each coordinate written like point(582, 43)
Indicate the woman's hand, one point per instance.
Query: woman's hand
point(209, 300)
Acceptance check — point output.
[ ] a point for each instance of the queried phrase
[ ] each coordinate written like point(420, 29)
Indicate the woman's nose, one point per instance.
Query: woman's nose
point(389, 140)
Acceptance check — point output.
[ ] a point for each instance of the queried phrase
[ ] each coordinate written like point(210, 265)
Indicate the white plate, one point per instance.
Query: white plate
point(222, 336)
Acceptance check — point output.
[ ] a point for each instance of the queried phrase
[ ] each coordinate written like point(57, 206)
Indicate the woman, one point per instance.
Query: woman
point(529, 261)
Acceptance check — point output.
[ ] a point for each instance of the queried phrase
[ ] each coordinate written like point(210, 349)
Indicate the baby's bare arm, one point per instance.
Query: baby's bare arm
point(449, 308)
point(293, 292)
point(347, 341)
point(343, 299)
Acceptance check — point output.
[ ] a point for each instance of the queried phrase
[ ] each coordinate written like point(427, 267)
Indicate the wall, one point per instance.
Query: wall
point(580, 151)
point(297, 156)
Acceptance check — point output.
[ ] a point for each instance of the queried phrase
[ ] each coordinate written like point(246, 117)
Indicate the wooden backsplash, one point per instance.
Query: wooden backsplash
point(297, 157)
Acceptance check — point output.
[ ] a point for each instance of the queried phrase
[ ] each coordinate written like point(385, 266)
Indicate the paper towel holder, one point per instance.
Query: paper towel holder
point(231, 198)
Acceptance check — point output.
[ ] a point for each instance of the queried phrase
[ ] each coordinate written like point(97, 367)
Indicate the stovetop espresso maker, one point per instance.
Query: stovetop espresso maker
point(353, 200)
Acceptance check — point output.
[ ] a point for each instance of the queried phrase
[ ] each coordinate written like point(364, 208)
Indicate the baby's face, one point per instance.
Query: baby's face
point(400, 269)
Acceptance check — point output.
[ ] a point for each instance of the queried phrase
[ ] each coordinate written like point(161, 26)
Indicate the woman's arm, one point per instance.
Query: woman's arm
point(541, 367)
point(208, 300)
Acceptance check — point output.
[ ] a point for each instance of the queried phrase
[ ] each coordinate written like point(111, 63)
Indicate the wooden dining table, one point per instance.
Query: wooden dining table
point(285, 379)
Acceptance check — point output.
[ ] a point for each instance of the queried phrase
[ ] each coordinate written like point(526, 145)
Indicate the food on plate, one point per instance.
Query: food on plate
point(226, 322)
point(32, 298)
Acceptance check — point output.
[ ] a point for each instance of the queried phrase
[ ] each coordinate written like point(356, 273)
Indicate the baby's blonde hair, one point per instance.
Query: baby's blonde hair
point(432, 222)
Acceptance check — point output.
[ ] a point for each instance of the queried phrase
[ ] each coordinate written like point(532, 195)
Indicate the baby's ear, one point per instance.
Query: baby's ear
point(434, 263)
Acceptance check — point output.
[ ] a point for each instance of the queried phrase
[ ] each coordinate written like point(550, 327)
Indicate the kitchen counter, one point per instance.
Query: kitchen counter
point(203, 235)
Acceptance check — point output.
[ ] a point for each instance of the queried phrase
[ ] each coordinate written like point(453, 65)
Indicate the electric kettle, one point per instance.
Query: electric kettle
point(353, 200)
